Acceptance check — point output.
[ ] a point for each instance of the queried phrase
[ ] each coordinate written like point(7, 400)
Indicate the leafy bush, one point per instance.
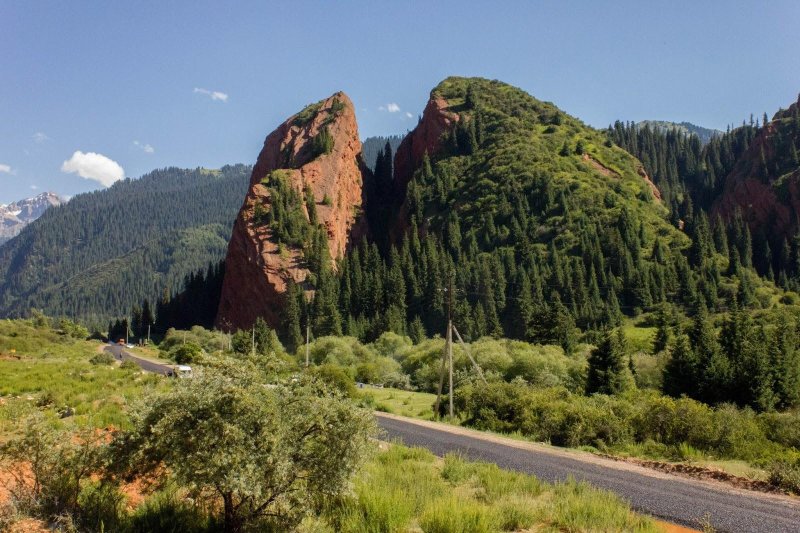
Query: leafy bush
point(239, 445)
point(102, 358)
point(128, 365)
point(336, 377)
point(786, 475)
point(185, 353)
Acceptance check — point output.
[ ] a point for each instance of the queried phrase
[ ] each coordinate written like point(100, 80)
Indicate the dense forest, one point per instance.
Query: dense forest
point(540, 223)
point(372, 145)
point(105, 251)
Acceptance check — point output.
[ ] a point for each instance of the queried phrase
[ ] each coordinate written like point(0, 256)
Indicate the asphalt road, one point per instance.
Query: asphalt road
point(121, 354)
point(671, 498)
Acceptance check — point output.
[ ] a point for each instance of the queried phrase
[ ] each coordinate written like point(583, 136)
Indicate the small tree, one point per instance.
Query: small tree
point(608, 368)
point(264, 456)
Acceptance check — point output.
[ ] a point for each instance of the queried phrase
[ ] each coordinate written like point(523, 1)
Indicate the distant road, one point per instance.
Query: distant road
point(671, 498)
point(120, 354)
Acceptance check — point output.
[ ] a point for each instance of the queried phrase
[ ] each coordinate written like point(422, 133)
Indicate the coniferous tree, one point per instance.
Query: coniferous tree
point(608, 371)
point(681, 371)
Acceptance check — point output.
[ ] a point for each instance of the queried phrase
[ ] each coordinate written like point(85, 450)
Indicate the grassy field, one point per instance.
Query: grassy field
point(44, 370)
point(400, 489)
point(400, 402)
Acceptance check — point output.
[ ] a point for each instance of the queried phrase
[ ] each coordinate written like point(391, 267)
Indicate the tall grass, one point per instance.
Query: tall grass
point(409, 489)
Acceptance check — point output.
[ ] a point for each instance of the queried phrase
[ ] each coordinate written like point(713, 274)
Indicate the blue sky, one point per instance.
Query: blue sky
point(111, 89)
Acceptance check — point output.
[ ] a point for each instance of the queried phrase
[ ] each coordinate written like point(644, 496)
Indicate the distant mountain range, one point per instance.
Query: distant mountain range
point(705, 134)
point(103, 251)
point(17, 215)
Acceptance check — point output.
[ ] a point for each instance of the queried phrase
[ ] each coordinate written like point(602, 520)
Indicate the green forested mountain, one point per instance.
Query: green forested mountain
point(372, 145)
point(686, 128)
point(542, 223)
point(96, 256)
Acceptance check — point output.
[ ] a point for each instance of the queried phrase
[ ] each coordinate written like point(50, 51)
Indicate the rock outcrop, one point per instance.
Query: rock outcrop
point(258, 268)
point(426, 137)
point(764, 185)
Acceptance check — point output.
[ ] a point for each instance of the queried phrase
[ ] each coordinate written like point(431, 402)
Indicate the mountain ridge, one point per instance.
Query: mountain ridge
point(18, 214)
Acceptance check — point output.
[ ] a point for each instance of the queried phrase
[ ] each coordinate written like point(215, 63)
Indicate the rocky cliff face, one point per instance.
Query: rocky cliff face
point(765, 182)
point(316, 150)
point(17, 215)
point(426, 137)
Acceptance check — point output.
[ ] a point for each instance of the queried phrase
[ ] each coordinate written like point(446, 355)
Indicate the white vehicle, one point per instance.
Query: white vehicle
point(181, 371)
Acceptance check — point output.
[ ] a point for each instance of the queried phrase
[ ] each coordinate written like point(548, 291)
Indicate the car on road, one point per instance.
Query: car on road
point(180, 372)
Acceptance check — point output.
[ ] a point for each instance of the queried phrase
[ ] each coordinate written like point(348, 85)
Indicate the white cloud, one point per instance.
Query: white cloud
point(409, 115)
point(390, 107)
point(34, 187)
point(5, 168)
point(145, 147)
point(214, 95)
point(93, 166)
point(40, 137)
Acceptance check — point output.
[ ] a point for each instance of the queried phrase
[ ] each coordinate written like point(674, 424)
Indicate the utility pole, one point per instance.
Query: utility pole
point(447, 356)
point(450, 337)
point(148, 334)
point(254, 340)
point(308, 336)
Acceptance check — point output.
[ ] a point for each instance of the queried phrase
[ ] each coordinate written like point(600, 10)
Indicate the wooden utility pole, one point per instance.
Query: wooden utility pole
point(254, 340)
point(148, 334)
point(308, 336)
point(447, 356)
point(450, 338)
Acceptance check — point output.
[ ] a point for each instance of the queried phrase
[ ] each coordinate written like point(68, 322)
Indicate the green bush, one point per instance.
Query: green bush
point(337, 378)
point(786, 475)
point(185, 353)
point(166, 511)
point(102, 358)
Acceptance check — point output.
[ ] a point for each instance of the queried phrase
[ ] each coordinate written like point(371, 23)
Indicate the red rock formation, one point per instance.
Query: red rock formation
point(256, 271)
point(426, 137)
point(764, 206)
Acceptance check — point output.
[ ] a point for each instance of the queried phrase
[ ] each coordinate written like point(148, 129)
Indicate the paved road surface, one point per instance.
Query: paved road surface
point(121, 354)
point(671, 498)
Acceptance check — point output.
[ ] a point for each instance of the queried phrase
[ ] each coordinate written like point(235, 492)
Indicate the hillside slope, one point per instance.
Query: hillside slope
point(96, 256)
point(539, 220)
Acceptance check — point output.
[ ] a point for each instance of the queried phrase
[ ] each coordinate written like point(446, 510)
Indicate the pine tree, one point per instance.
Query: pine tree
point(785, 364)
point(681, 371)
point(663, 331)
point(292, 331)
point(608, 372)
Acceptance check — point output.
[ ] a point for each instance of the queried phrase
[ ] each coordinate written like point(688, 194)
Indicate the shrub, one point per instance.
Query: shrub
point(102, 358)
point(337, 378)
point(166, 511)
point(185, 353)
point(240, 445)
point(786, 475)
point(128, 365)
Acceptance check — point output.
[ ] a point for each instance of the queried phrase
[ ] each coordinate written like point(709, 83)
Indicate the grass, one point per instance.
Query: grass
point(400, 488)
point(400, 402)
point(47, 371)
point(409, 489)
